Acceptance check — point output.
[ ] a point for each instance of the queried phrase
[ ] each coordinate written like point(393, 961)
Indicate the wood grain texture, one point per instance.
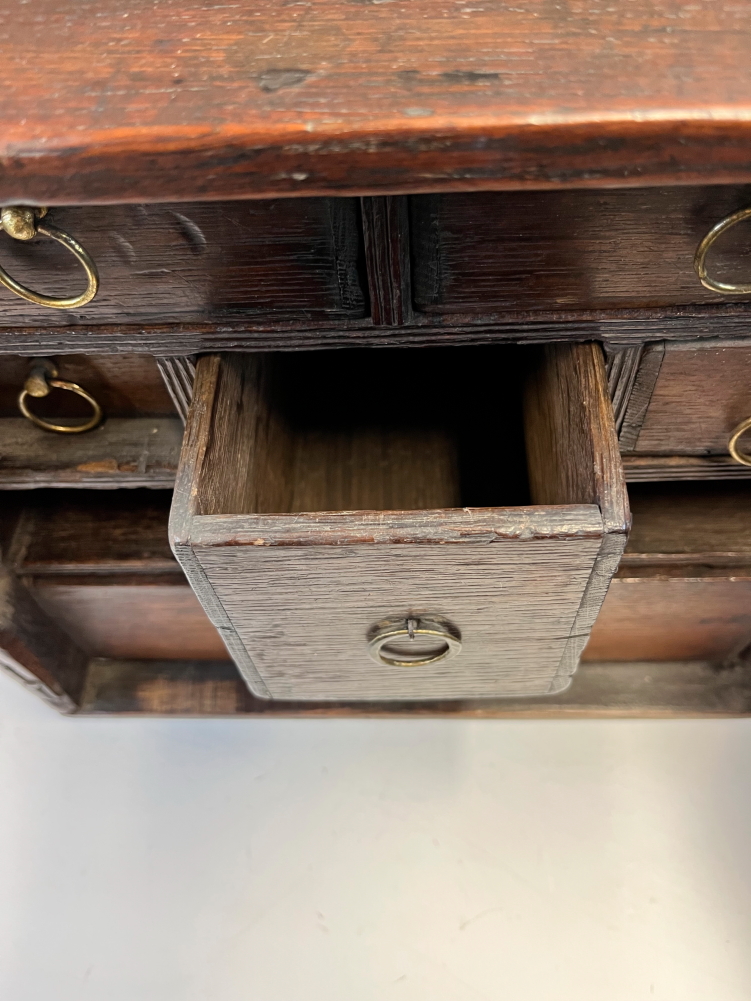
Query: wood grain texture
point(179, 374)
point(195, 262)
point(622, 367)
point(673, 618)
point(178, 101)
point(302, 590)
point(640, 396)
point(385, 225)
point(667, 468)
point(692, 689)
point(572, 449)
point(547, 250)
point(120, 453)
point(702, 393)
point(618, 327)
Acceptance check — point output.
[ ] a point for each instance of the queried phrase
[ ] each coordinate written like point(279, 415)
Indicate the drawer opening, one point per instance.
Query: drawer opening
point(375, 431)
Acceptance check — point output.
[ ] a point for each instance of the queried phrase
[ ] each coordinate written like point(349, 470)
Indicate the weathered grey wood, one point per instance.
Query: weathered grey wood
point(303, 589)
point(121, 452)
point(179, 374)
point(658, 690)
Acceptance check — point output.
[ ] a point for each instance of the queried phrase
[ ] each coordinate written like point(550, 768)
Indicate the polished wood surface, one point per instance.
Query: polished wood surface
point(197, 261)
point(490, 252)
point(177, 101)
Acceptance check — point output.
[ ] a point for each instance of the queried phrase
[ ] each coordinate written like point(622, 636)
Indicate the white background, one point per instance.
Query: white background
point(340, 860)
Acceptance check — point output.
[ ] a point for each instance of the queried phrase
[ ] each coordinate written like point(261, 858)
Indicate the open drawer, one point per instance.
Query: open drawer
point(364, 525)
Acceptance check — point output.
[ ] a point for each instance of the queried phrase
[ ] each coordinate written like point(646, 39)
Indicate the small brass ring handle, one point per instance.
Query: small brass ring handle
point(42, 378)
point(23, 223)
point(743, 457)
point(700, 257)
point(447, 642)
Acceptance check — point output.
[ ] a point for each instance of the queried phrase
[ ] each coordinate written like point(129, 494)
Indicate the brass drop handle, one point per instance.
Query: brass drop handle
point(700, 257)
point(23, 223)
point(743, 457)
point(390, 642)
point(41, 379)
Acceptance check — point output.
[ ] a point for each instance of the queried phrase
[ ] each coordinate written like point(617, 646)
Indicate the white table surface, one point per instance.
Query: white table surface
point(339, 860)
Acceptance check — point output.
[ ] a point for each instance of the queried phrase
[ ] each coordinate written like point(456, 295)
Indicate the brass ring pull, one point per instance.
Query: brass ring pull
point(23, 223)
point(387, 645)
point(743, 457)
point(700, 257)
point(42, 378)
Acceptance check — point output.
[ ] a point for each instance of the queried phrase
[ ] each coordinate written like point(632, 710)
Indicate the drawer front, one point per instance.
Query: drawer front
point(305, 615)
point(300, 591)
point(692, 398)
point(286, 259)
point(573, 250)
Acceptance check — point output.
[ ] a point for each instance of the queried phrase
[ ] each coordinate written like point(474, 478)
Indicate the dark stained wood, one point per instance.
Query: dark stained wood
point(545, 250)
point(691, 689)
point(702, 393)
point(195, 262)
point(636, 403)
point(622, 366)
point(121, 452)
point(616, 327)
point(385, 224)
point(35, 650)
point(177, 101)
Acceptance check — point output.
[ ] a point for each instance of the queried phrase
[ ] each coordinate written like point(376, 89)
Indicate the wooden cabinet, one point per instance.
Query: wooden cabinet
point(254, 186)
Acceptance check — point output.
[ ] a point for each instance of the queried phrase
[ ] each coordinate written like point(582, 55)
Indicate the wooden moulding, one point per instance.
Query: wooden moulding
point(255, 100)
point(246, 541)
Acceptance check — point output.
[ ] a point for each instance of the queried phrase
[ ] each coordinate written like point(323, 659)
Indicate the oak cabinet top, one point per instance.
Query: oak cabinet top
point(179, 100)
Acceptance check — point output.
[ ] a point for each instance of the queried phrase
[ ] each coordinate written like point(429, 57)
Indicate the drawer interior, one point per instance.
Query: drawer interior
point(377, 431)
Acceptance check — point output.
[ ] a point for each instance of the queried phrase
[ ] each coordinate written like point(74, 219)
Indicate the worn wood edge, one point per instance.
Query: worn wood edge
point(641, 395)
point(599, 690)
point(654, 468)
point(488, 152)
point(439, 527)
point(124, 452)
point(617, 327)
point(179, 375)
point(605, 566)
point(182, 515)
point(610, 483)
